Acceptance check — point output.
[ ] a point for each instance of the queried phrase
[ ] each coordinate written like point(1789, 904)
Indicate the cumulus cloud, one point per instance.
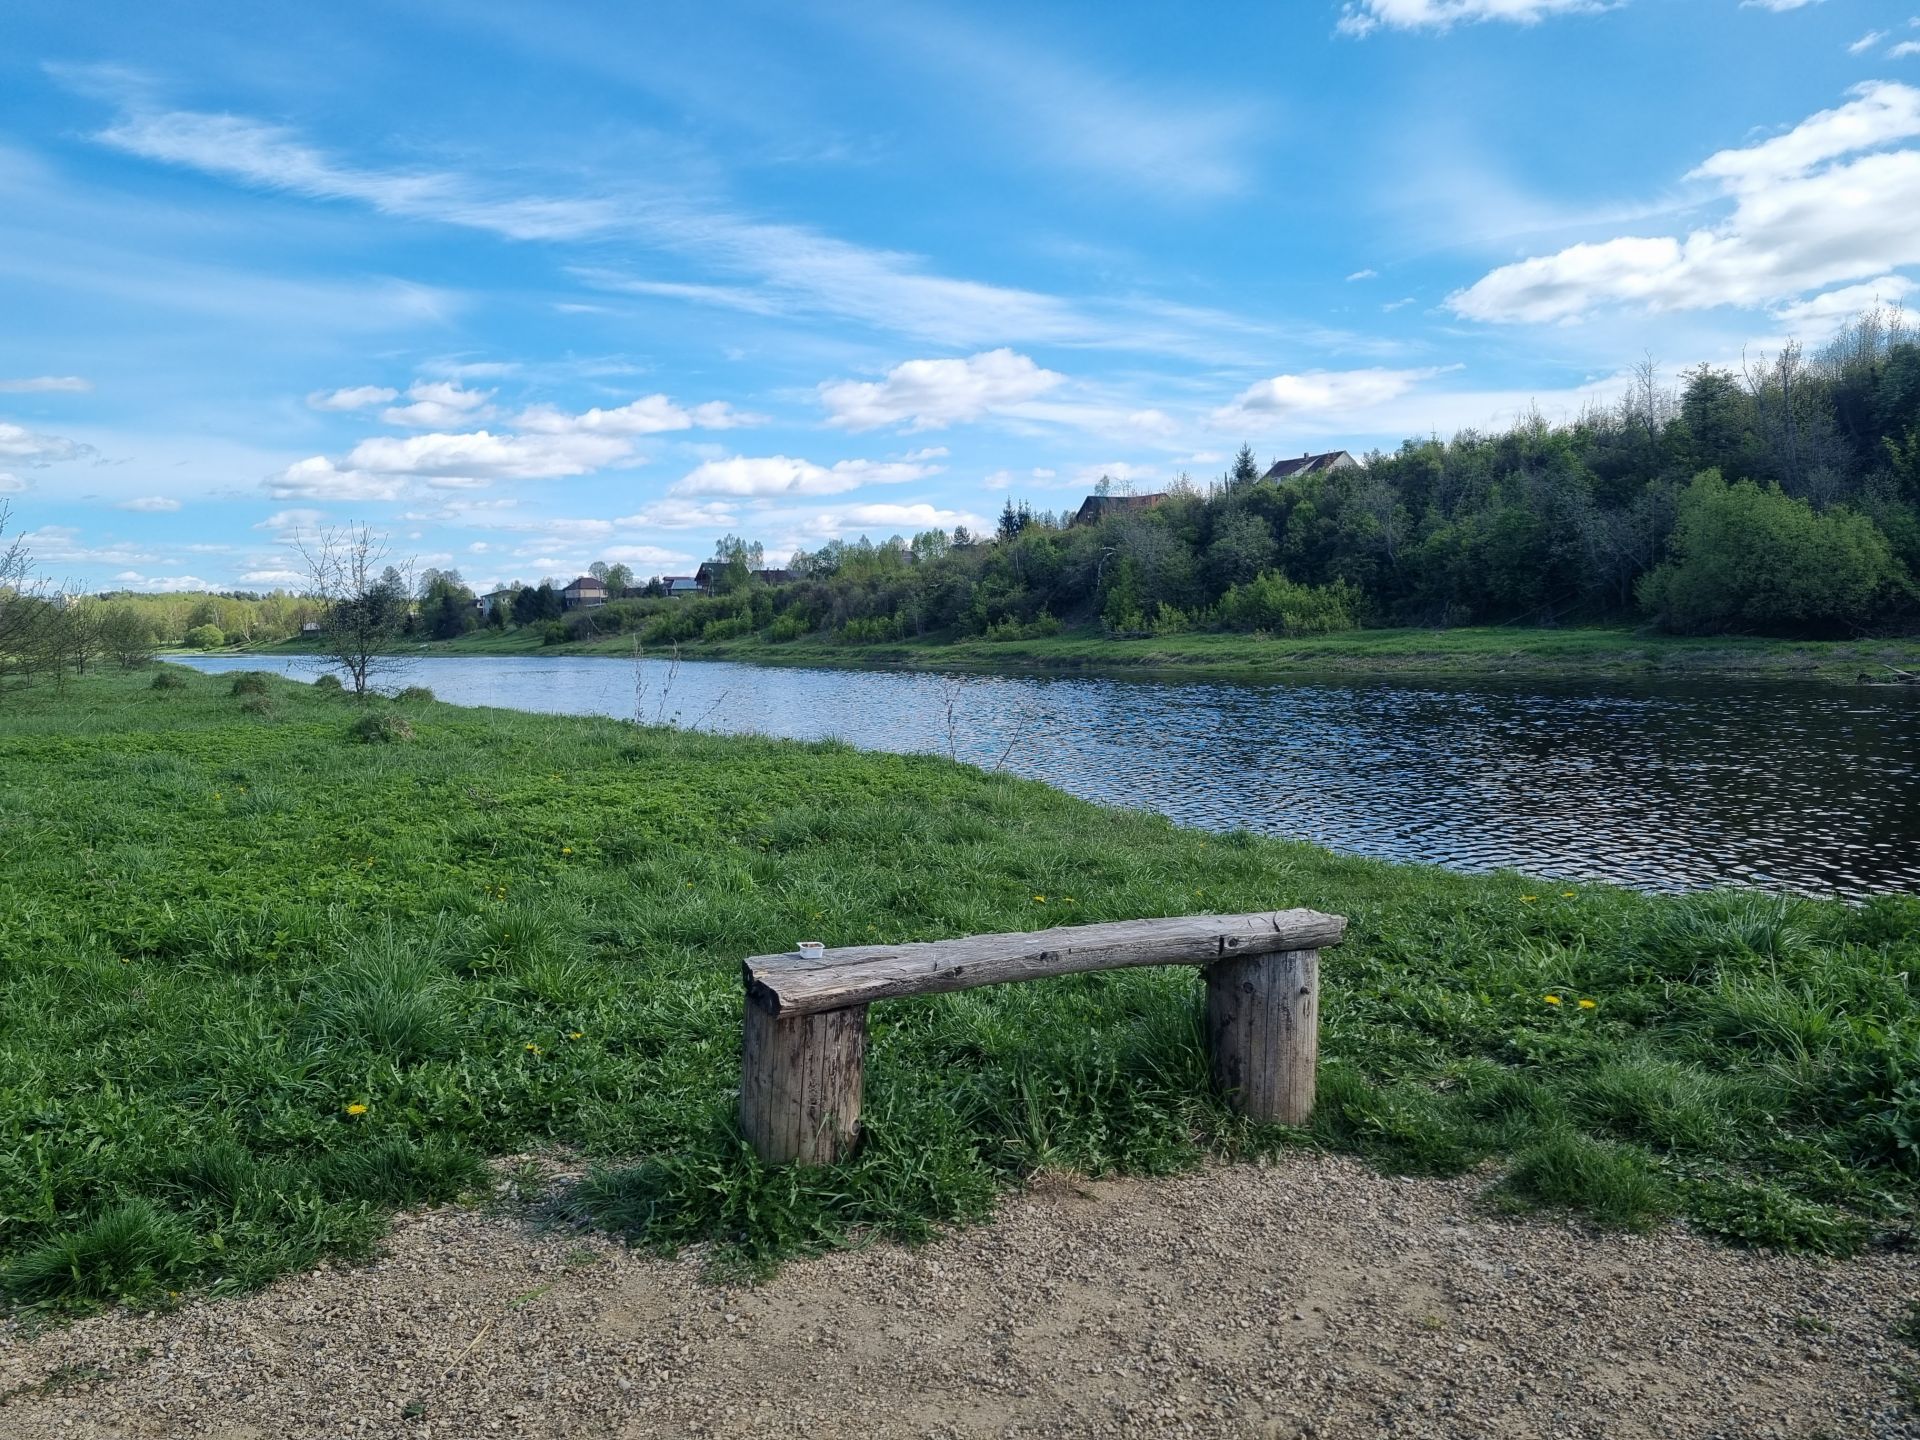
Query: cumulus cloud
point(353, 397)
point(675, 514)
point(649, 415)
point(1363, 17)
point(932, 394)
point(783, 475)
point(382, 467)
point(841, 522)
point(1779, 7)
point(273, 577)
point(162, 584)
point(1823, 204)
point(1820, 315)
point(151, 504)
point(45, 385)
point(1318, 393)
point(22, 446)
point(11, 484)
point(438, 404)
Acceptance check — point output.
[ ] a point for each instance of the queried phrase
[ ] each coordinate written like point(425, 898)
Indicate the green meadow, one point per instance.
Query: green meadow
point(273, 964)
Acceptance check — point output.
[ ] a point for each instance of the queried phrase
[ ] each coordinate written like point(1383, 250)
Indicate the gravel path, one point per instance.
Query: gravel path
point(1310, 1298)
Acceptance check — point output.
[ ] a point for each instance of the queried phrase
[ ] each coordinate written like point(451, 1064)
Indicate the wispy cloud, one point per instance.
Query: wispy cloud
point(46, 385)
point(1363, 17)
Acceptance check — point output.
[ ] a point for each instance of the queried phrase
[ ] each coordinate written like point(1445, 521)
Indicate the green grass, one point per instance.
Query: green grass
point(1595, 652)
point(224, 930)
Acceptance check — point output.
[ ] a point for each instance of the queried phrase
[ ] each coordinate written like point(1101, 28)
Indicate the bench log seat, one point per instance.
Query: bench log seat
point(805, 1038)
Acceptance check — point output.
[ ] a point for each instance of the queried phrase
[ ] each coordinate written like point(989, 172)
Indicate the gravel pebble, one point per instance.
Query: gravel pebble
point(1308, 1298)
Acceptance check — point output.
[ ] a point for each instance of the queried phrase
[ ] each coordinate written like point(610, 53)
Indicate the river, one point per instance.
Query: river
point(1661, 786)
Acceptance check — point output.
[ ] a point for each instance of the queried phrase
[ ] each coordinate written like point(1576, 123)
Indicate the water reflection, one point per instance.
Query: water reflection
point(1658, 786)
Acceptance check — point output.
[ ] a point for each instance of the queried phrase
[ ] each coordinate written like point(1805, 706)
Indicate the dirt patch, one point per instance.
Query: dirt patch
point(1310, 1298)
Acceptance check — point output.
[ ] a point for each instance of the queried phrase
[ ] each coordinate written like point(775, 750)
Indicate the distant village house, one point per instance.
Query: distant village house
point(585, 593)
point(1311, 465)
point(1098, 507)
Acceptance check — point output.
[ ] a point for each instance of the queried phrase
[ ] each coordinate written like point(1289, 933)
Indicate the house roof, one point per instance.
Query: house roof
point(1310, 464)
point(586, 582)
point(1095, 506)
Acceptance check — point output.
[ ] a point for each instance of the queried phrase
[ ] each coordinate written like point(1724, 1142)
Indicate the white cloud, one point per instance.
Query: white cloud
point(672, 514)
point(353, 397)
point(1805, 217)
point(1866, 42)
point(380, 468)
point(1363, 275)
point(782, 475)
point(151, 504)
point(1363, 17)
point(1779, 7)
point(26, 447)
point(649, 415)
point(1318, 393)
point(932, 394)
point(1820, 315)
point(1904, 49)
point(11, 484)
point(438, 404)
point(162, 584)
point(287, 521)
point(273, 577)
point(645, 555)
point(842, 522)
point(45, 385)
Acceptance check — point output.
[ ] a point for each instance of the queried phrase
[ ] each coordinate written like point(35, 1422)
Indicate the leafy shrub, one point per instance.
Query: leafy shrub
point(1762, 1214)
point(257, 705)
point(169, 680)
point(380, 728)
point(731, 629)
point(1037, 628)
point(1759, 560)
point(328, 684)
point(248, 682)
point(872, 629)
point(415, 695)
point(790, 626)
point(1272, 602)
point(205, 637)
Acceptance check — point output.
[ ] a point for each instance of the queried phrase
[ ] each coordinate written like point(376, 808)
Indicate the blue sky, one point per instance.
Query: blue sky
point(525, 286)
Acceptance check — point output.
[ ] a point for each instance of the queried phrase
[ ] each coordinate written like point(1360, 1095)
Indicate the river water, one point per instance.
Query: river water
point(1661, 786)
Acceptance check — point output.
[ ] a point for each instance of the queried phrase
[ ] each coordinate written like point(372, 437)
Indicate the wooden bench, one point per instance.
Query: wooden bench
point(806, 1018)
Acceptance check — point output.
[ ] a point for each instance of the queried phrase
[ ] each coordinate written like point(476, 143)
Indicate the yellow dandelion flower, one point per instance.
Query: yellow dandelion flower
point(1039, 899)
point(1551, 999)
point(1566, 894)
point(1588, 1004)
point(1528, 899)
point(576, 1034)
point(566, 849)
point(532, 1049)
point(356, 1108)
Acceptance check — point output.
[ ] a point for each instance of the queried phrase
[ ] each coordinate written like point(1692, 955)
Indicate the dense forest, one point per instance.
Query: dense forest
point(1781, 499)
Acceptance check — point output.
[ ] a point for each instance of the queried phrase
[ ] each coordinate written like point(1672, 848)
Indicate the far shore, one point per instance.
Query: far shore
point(1574, 653)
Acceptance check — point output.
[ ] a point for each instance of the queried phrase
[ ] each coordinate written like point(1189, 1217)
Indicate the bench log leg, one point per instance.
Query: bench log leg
point(1263, 1032)
point(800, 1083)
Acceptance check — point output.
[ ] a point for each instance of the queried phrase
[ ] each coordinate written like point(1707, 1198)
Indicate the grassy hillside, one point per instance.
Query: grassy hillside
point(1591, 652)
point(263, 979)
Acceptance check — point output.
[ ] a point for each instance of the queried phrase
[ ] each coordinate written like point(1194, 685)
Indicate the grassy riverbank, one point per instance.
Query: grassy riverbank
point(1597, 653)
point(260, 982)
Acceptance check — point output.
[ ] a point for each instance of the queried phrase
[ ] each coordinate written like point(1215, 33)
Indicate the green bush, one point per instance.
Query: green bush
point(1748, 559)
point(205, 637)
point(791, 626)
point(415, 695)
point(249, 682)
point(169, 680)
point(380, 728)
point(732, 629)
point(257, 705)
point(1273, 603)
point(328, 684)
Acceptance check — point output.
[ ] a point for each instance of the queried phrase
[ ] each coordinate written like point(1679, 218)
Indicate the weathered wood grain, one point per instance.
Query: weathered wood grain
point(1263, 1033)
point(801, 1078)
point(789, 985)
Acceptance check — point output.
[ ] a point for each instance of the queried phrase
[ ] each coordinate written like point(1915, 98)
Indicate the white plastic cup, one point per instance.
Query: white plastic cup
point(812, 949)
